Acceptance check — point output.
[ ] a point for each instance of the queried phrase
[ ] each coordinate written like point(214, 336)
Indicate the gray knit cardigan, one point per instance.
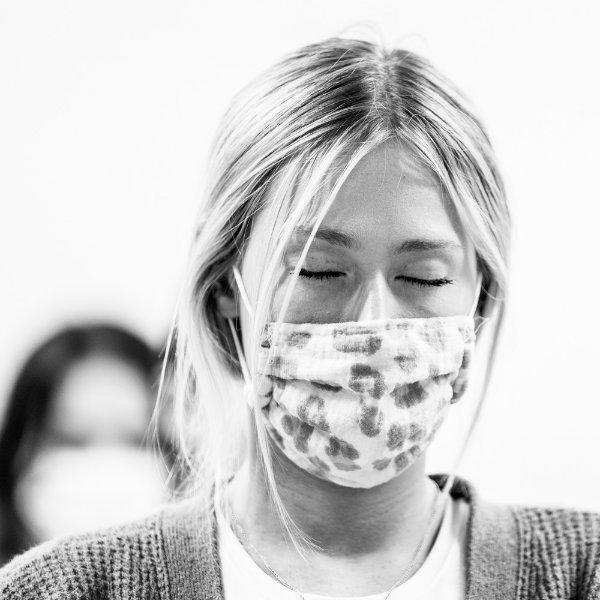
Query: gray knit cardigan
point(512, 552)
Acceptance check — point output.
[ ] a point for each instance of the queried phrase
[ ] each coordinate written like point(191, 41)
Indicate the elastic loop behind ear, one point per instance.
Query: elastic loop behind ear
point(241, 357)
point(477, 295)
point(242, 290)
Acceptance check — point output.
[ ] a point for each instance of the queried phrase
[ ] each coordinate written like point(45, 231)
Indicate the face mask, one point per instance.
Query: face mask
point(70, 490)
point(357, 403)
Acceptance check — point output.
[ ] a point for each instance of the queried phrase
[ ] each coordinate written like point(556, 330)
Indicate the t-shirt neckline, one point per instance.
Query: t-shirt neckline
point(233, 553)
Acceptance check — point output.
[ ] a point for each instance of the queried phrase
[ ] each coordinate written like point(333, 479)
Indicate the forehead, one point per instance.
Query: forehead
point(390, 198)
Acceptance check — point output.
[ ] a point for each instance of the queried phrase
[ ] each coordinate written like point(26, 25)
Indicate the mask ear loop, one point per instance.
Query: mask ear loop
point(477, 296)
point(481, 320)
point(242, 290)
point(250, 393)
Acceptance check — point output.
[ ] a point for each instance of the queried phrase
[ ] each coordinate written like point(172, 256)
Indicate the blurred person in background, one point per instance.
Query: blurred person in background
point(73, 453)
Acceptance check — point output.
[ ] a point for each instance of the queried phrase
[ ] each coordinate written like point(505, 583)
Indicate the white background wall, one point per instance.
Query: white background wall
point(106, 113)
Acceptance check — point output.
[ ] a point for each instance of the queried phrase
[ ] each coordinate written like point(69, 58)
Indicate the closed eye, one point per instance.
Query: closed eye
point(320, 274)
point(426, 282)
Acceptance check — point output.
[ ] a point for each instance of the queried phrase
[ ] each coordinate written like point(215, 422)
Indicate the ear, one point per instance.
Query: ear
point(227, 306)
point(226, 302)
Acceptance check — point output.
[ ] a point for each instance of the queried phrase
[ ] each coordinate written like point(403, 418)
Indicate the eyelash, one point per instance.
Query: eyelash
point(428, 282)
point(321, 275)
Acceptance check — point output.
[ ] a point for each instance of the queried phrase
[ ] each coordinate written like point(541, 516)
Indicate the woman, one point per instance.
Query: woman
point(72, 452)
point(350, 255)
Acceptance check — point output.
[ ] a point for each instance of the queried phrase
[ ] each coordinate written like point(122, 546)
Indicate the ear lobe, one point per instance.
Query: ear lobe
point(227, 306)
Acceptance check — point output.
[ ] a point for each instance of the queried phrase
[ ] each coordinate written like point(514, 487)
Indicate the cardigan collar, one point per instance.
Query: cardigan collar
point(492, 545)
point(191, 555)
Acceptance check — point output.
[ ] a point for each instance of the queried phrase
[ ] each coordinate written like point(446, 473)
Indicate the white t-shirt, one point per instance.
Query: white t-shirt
point(441, 577)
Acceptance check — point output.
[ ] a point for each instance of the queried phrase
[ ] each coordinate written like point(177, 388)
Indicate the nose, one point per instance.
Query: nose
point(376, 300)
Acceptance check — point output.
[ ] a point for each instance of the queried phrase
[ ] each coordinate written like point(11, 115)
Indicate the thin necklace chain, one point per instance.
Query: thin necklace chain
point(431, 524)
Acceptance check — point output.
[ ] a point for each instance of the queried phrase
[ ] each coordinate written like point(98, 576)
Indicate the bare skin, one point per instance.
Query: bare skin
point(368, 536)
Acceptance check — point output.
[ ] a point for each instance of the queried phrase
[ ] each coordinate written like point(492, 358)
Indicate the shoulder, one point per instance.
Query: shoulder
point(542, 550)
point(517, 551)
point(122, 561)
point(536, 528)
point(577, 528)
point(560, 541)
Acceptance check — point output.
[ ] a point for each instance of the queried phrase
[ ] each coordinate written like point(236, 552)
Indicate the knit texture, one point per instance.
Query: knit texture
point(512, 552)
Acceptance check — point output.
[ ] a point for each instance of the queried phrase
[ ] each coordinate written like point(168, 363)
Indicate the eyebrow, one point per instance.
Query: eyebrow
point(338, 238)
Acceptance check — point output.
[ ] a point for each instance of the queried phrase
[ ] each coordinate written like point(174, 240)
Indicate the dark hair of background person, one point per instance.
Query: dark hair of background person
point(29, 406)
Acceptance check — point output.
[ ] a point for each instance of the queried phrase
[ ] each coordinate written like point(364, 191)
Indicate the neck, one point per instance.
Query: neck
point(342, 521)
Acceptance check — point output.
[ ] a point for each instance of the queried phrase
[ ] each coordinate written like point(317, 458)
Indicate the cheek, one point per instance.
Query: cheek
point(445, 301)
point(312, 303)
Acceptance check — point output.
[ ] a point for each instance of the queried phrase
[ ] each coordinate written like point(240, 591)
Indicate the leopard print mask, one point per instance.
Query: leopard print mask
point(356, 403)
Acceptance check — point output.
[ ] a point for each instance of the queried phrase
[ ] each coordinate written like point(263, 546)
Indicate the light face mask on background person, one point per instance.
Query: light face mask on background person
point(357, 403)
point(72, 489)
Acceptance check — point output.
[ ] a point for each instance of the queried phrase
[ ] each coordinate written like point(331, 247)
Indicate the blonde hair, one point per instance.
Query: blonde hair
point(284, 148)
